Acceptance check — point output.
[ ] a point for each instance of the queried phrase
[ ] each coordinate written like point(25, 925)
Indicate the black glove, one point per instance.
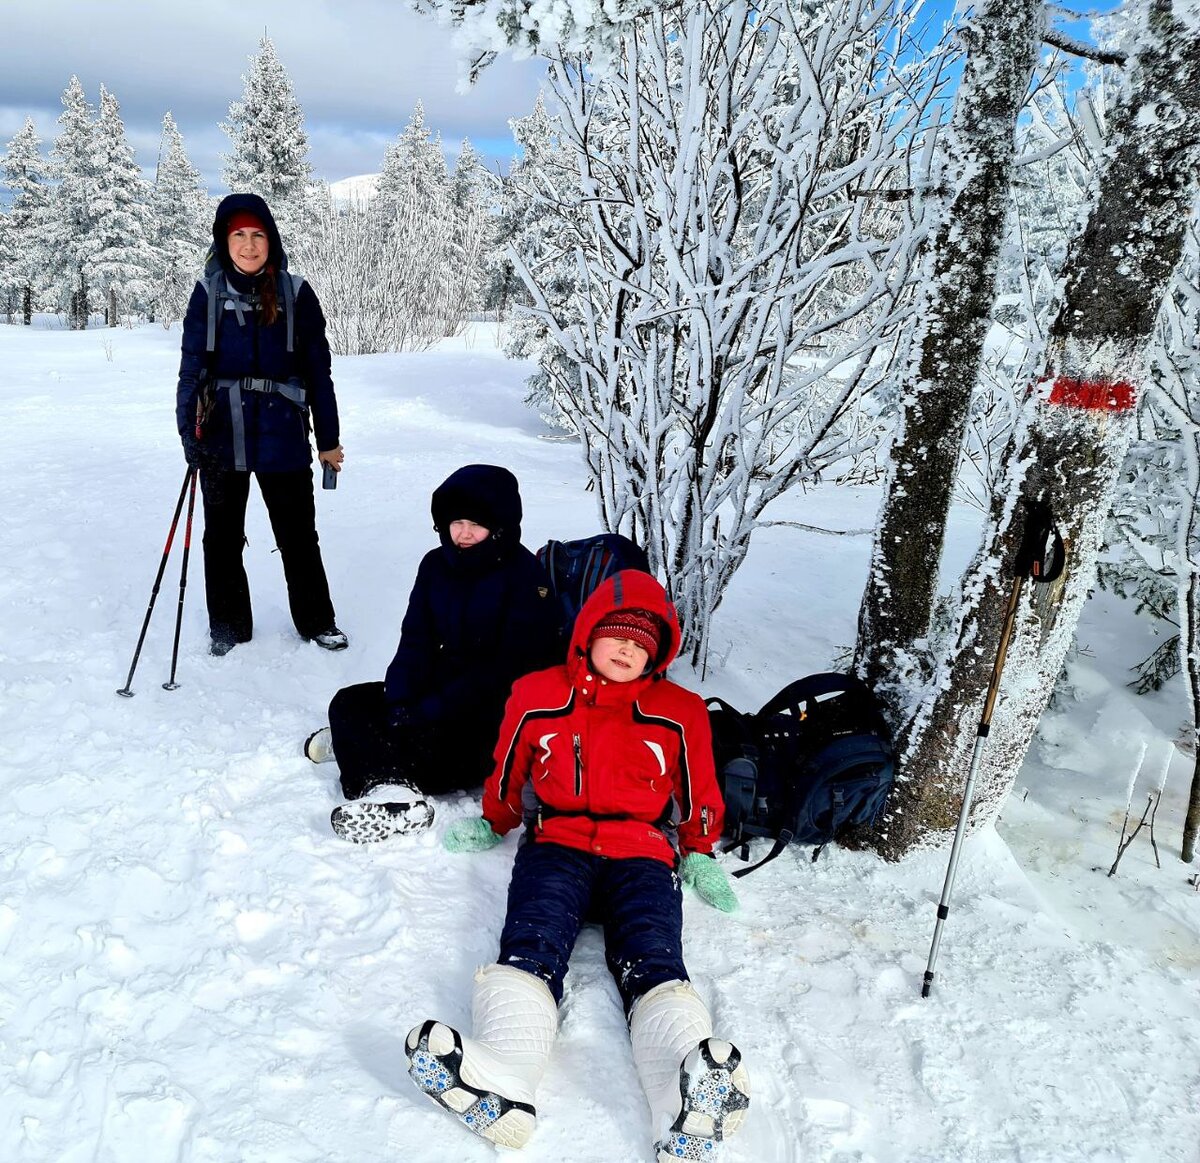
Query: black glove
point(193, 450)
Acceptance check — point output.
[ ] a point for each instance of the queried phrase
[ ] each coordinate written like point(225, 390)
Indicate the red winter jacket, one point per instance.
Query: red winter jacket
point(604, 767)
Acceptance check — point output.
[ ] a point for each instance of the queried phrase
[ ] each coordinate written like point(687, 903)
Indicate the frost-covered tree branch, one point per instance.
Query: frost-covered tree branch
point(723, 296)
point(1079, 48)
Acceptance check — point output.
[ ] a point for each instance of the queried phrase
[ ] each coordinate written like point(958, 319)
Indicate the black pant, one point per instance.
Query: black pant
point(293, 513)
point(433, 757)
point(637, 900)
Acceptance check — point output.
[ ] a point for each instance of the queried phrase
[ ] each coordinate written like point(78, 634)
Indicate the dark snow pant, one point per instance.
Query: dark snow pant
point(370, 751)
point(292, 510)
point(638, 901)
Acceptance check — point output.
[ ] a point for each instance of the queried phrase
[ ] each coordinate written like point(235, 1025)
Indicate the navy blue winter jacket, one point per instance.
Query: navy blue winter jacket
point(276, 429)
point(477, 618)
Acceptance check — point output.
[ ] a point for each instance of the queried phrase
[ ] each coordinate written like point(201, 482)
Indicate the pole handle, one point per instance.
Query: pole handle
point(1041, 554)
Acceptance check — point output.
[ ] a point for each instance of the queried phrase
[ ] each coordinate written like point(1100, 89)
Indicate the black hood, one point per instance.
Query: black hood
point(484, 493)
point(251, 204)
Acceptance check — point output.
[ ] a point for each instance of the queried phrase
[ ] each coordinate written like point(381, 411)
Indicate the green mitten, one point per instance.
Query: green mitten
point(710, 881)
point(470, 835)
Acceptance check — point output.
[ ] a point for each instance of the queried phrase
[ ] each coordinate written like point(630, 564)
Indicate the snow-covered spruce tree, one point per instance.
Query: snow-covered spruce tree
point(71, 241)
point(535, 228)
point(414, 199)
point(124, 259)
point(181, 216)
point(422, 251)
point(26, 176)
point(269, 154)
point(740, 264)
point(473, 191)
point(1070, 443)
point(502, 287)
point(1002, 39)
point(10, 282)
point(414, 167)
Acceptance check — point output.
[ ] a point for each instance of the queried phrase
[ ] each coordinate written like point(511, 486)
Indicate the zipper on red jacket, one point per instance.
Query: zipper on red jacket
point(578, 767)
point(704, 821)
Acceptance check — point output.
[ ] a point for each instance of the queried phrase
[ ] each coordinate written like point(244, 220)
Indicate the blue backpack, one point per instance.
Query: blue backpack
point(817, 759)
point(575, 568)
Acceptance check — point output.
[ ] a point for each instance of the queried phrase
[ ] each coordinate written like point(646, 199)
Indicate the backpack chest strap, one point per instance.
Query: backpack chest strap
point(221, 296)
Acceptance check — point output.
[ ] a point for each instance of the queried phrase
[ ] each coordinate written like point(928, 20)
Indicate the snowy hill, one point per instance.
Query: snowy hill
point(194, 970)
point(354, 191)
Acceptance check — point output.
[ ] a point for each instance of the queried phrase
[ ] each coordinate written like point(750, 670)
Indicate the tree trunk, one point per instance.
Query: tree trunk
point(79, 304)
point(1189, 639)
point(112, 306)
point(27, 303)
point(1002, 41)
point(1068, 447)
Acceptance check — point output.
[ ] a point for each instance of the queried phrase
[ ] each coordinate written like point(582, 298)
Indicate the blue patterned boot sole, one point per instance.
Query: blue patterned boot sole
point(715, 1090)
point(438, 1073)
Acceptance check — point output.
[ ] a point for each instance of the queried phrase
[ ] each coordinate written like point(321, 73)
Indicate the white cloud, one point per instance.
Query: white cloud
point(358, 66)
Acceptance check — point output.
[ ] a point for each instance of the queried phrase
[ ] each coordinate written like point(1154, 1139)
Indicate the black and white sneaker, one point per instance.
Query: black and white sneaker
point(331, 639)
point(715, 1090)
point(318, 747)
point(394, 809)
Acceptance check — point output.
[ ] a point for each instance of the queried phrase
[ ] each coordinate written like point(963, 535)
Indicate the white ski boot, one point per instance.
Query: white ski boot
point(318, 747)
point(696, 1085)
point(386, 810)
point(488, 1081)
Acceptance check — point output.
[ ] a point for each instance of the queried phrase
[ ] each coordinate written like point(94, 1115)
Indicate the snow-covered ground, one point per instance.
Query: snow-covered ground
point(194, 970)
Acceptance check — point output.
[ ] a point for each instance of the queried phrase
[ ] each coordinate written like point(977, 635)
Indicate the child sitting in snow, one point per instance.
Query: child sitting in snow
point(608, 765)
point(479, 616)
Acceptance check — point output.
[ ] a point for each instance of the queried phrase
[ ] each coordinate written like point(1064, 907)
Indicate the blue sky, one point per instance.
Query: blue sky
point(358, 67)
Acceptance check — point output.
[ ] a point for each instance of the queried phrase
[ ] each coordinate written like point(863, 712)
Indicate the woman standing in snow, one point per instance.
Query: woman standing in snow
point(255, 367)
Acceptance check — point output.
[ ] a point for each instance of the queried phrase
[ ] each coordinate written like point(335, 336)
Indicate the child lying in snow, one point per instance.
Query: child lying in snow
point(608, 764)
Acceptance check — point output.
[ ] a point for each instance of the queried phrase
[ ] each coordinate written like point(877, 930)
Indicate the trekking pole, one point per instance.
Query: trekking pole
point(1040, 556)
point(125, 691)
point(171, 684)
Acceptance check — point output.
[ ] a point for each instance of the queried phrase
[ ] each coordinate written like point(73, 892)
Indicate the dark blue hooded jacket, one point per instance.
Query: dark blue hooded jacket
point(277, 430)
point(478, 618)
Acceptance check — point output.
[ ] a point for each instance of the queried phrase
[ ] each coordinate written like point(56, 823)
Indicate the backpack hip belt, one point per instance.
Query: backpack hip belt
point(291, 390)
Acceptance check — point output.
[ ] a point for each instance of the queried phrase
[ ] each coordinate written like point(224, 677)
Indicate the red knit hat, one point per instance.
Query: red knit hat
point(244, 220)
point(640, 626)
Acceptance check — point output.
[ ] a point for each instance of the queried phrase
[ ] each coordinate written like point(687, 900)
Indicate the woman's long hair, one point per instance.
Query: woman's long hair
point(268, 296)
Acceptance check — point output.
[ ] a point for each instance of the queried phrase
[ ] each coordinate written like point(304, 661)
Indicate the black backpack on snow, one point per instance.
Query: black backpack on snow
point(816, 759)
point(575, 568)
